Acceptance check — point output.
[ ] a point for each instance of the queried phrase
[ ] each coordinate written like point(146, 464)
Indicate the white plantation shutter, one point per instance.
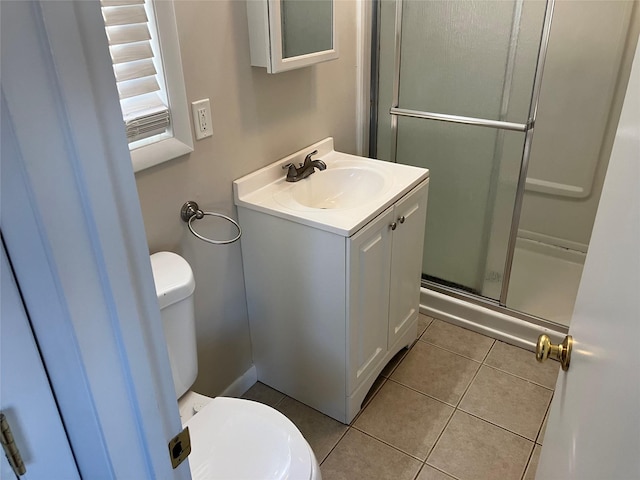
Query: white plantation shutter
point(130, 37)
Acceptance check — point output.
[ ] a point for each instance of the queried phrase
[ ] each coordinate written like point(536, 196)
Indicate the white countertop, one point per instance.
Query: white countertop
point(267, 191)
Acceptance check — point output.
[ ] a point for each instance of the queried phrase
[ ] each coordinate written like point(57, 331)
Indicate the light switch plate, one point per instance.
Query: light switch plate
point(202, 118)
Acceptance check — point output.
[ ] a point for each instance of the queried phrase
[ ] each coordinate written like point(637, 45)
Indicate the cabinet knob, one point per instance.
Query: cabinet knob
point(401, 219)
point(393, 225)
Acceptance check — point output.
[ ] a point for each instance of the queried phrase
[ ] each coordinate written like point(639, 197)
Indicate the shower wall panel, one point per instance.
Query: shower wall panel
point(576, 123)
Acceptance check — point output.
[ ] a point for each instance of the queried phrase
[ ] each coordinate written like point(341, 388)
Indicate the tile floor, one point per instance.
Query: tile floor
point(457, 405)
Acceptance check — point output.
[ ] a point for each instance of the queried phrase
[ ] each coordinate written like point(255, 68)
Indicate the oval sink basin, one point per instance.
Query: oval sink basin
point(338, 188)
point(343, 198)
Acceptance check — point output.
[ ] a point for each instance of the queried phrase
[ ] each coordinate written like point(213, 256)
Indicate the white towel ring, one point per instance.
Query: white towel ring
point(190, 212)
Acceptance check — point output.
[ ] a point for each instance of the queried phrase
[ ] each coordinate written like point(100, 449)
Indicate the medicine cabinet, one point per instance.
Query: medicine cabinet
point(289, 34)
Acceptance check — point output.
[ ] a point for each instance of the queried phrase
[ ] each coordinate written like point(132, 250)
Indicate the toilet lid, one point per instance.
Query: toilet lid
point(241, 439)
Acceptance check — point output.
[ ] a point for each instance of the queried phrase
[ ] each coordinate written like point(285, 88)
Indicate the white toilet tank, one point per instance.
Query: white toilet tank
point(174, 282)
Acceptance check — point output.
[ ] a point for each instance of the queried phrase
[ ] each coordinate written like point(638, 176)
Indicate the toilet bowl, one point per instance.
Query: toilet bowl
point(231, 438)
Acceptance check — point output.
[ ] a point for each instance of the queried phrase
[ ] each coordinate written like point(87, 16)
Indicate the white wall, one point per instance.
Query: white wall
point(257, 118)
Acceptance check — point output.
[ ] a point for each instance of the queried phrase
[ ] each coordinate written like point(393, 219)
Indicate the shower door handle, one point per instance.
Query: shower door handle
point(561, 352)
point(444, 117)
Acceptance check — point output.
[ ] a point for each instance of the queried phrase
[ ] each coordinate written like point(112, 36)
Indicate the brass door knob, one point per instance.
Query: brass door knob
point(562, 352)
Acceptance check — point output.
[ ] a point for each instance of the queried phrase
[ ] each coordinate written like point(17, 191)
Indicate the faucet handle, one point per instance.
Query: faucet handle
point(292, 171)
point(307, 159)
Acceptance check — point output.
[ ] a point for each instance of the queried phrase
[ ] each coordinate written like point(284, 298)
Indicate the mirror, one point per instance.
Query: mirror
point(307, 27)
point(288, 34)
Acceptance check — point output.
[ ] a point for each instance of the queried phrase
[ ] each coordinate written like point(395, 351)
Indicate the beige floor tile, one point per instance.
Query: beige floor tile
point(320, 431)
point(543, 430)
point(423, 322)
point(404, 419)
point(458, 340)
point(430, 473)
point(262, 393)
point(507, 401)
point(522, 363)
point(358, 456)
point(530, 474)
point(472, 449)
point(436, 372)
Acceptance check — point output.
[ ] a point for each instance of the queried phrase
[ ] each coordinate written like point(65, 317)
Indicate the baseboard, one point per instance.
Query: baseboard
point(241, 384)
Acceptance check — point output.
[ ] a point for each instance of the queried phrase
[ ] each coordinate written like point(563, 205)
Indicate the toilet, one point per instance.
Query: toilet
point(231, 438)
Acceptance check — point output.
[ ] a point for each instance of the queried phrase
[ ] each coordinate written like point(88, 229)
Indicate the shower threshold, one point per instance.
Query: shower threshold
point(486, 316)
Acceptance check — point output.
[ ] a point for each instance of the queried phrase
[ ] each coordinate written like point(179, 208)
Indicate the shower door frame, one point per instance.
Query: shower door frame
point(499, 305)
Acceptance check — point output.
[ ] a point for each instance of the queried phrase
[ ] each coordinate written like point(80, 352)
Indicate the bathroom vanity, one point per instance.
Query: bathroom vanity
point(332, 268)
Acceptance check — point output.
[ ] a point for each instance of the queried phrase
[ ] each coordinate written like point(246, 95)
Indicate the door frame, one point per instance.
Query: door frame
point(72, 223)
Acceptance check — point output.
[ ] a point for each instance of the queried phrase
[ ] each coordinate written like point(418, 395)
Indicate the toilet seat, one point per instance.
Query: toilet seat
point(233, 438)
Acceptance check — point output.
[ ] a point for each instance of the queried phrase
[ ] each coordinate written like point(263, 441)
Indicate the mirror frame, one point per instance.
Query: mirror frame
point(280, 64)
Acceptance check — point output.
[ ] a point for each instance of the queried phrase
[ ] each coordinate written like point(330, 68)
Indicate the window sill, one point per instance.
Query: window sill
point(158, 152)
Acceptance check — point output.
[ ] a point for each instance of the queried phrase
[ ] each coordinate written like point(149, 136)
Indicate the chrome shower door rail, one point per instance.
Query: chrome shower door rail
point(443, 117)
point(524, 166)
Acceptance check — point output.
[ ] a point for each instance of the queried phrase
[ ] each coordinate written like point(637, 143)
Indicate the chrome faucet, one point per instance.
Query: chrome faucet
point(305, 169)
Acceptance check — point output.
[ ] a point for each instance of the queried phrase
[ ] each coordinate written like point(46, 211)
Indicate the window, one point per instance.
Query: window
point(143, 42)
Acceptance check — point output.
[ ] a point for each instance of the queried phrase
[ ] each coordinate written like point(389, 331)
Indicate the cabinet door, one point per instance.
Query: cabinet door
point(406, 260)
point(369, 256)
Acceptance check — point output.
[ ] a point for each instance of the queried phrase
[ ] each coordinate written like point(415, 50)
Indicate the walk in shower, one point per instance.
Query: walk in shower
point(512, 105)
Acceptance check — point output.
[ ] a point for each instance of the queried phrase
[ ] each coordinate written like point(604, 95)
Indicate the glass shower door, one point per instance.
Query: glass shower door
point(458, 78)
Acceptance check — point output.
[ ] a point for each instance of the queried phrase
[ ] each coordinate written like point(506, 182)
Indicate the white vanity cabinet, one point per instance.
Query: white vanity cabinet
point(383, 278)
point(327, 312)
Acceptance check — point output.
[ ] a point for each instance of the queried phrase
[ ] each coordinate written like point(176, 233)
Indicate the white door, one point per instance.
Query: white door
point(593, 430)
point(72, 227)
point(25, 396)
